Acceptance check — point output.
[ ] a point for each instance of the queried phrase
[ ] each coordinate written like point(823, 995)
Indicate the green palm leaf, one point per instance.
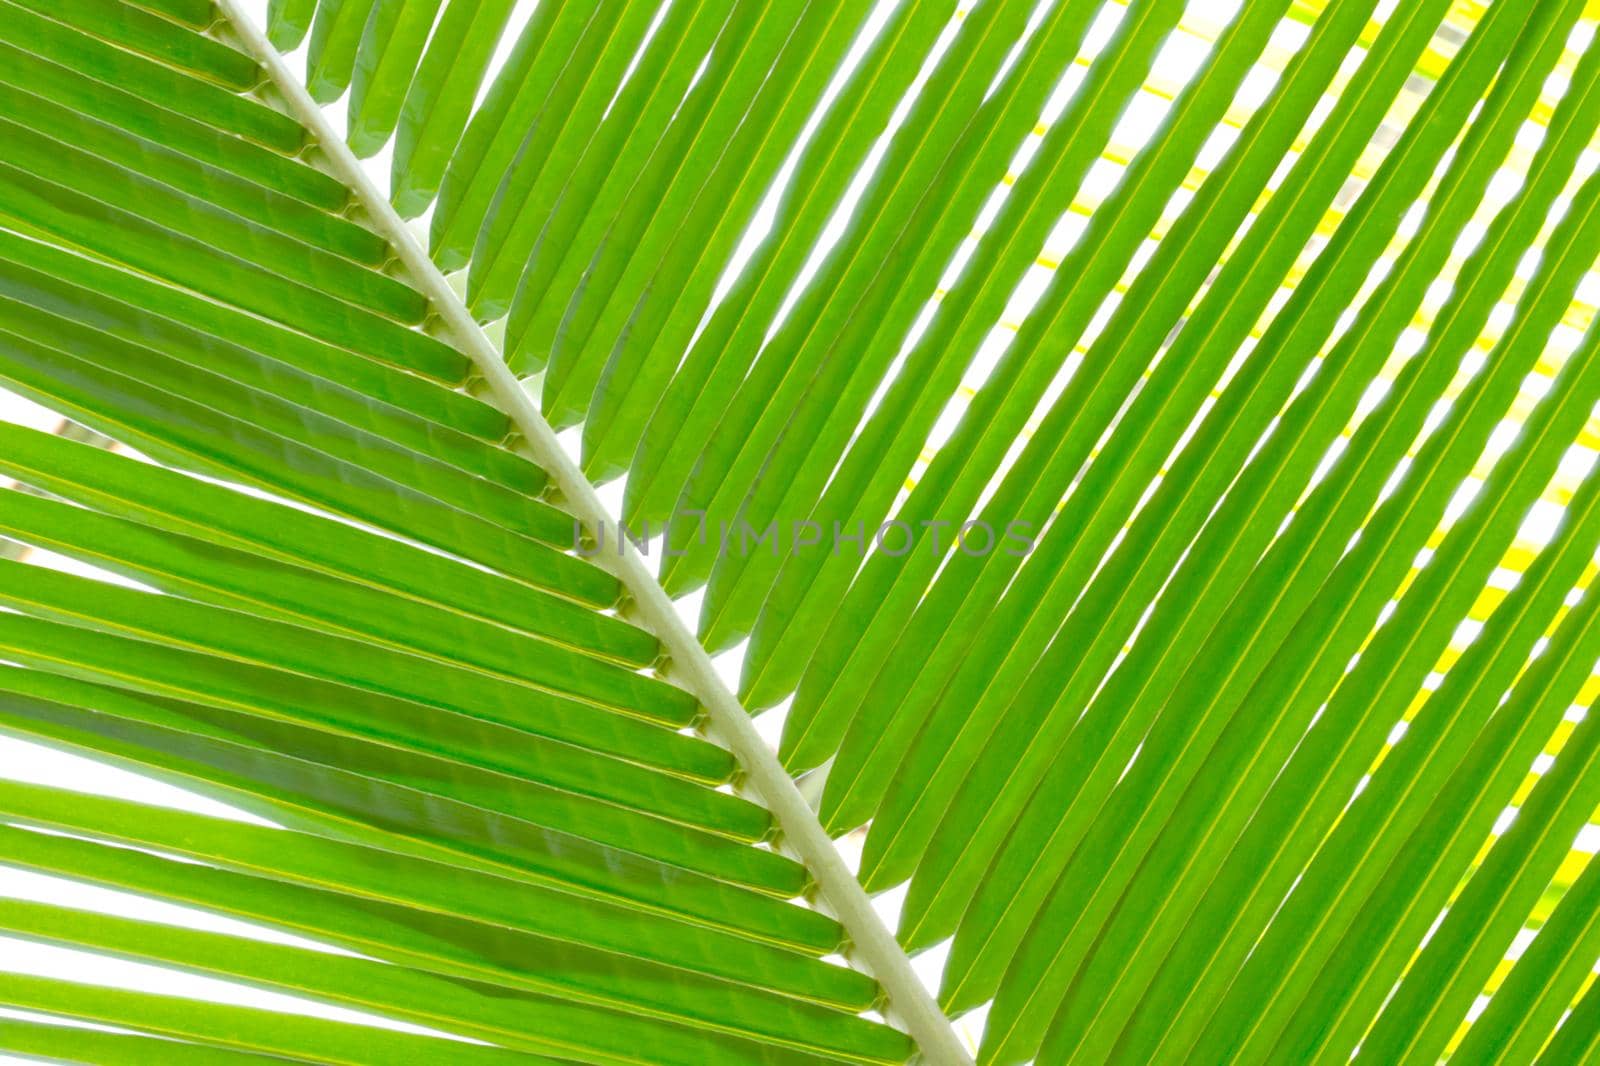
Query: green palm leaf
point(1139, 452)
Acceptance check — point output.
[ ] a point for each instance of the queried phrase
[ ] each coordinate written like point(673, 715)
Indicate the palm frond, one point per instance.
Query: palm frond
point(1141, 452)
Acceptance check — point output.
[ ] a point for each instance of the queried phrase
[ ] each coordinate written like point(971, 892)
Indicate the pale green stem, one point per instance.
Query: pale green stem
point(873, 949)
